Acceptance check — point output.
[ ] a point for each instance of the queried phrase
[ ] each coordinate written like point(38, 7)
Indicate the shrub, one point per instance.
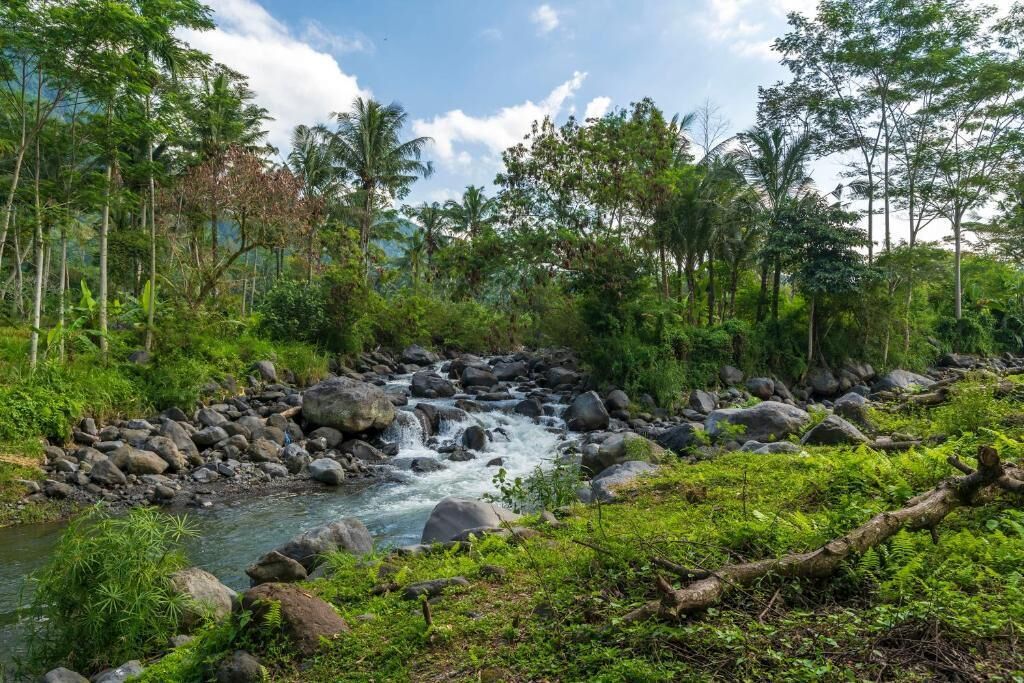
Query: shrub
point(973, 406)
point(541, 490)
point(104, 596)
point(294, 311)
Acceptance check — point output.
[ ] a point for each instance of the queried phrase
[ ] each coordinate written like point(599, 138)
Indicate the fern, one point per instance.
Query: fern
point(870, 565)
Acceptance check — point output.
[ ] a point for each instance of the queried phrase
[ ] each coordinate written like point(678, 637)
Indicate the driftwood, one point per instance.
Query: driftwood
point(291, 412)
point(922, 512)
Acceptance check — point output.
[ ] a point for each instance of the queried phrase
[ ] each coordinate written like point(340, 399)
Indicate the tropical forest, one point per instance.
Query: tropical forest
point(718, 376)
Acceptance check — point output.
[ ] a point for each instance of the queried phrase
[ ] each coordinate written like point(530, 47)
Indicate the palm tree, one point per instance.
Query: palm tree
point(434, 220)
point(368, 143)
point(313, 160)
point(474, 213)
point(414, 249)
point(776, 166)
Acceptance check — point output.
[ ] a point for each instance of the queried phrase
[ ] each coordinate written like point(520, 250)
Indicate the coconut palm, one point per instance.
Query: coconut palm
point(776, 166)
point(474, 213)
point(368, 143)
point(314, 161)
point(434, 221)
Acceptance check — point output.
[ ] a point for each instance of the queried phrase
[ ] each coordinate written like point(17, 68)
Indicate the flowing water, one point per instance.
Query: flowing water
point(233, 535)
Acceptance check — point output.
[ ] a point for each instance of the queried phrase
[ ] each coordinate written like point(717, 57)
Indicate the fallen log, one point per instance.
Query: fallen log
point(925, 511)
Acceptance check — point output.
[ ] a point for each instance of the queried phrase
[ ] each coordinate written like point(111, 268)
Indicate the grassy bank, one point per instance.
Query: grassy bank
point(550, 608)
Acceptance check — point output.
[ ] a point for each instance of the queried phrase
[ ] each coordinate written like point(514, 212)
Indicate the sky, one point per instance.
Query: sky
point(473, 75)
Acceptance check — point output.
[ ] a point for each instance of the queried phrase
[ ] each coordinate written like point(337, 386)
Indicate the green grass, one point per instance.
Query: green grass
point(556, 613)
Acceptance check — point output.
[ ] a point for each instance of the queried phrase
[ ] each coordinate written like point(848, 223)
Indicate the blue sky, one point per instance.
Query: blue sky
point(474, 75)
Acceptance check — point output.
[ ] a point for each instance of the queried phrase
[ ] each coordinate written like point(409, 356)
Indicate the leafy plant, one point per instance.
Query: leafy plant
point(105, 595)
point(541, 490)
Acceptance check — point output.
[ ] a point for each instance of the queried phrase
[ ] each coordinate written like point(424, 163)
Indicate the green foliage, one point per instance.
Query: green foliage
point(294, 311)
point(105, 597)
point(543, 489)
point(972, 406)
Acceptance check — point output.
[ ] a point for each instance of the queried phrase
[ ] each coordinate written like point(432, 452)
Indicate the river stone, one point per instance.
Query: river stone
point(62, 675)
point(266, 370)
point(682, 438)
point(852, 406)
point(274, 470)
point(120, 674)
point(587, 413)
point(168, 450)
point(275, 567)
point(770, 448)
point(132, 461)
point(452, 516)
point(305, 618)
point(616, 449)
point(326, 471)
point(207, 596)
point(474, 438)
point(427, 383)
point(473, 376)
point(761, 387)
point(181, 438)
point(347, 405)
point(506, 371)
point(730, 375)
point(209, 436)
point(425, 465)
point(363, 451)
point(768, 421)
point(347, 534)
point(702, 401)
point(240, 667)
point(331, 436)
point(417, 355)
point(556, 377)
point(106, 473)
point(262, 450)
point(822, 382)
point(617, 400)
point(208, 417)
point(833, 431)
point(530, 407)
point(901, 380)
point(605, 485)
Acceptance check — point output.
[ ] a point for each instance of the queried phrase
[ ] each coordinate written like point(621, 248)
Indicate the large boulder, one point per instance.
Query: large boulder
point(761, 387)
point(427, 383)
point(240, 667)
point(822, 382)
point(169, 451)
point(833, 431)
point(556, 377)
point(417, 355)
point(209, 436)
point(348, 405)
point(266, 370)
point(682, 438)
point(902, 380)
point(473, 376)
point(604, 487)
point(730, 375)
point(62, 675)
point(348, 534)
point(305, 619)
point(120, 674)
point(327, 471)
point(619, 448)
point(509, 370)
point(587, 413)
point(617, 400)
point(207, 596)
point(133, 461)
point(181, 438)
point(702, 401)
point(106, 473)
point(474, 438)
point(275, 568)
point(453, 516)
point(768, 421)
point(852, 406)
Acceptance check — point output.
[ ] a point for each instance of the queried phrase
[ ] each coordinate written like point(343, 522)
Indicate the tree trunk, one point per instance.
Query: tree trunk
point(37, 296)
point(810, 333)
point(104, 227)
point(885, 177)
point(711, 292)
point(63, 285)
point(871, 214)
point(151, 304)
point(664, 272)
point(762, 297)
point(776, 286)
point(958, 295)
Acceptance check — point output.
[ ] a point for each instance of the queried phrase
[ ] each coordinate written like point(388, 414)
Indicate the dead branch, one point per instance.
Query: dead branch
point(922, 512)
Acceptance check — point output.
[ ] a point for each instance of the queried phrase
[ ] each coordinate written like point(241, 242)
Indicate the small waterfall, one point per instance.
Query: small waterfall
point(406, 430)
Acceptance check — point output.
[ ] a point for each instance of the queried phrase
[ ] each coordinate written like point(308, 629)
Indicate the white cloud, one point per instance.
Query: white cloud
point(322, 38)
point(546, 18)
point(597, 107)
point(741, 24)
point(495, 132)
point(295, 81)
point(491, 34)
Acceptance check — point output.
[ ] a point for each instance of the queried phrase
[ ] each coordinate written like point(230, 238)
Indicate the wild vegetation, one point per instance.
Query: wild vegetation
point(153, 244)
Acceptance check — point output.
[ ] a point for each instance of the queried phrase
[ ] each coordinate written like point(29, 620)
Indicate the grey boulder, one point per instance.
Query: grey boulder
point(587, 413)
point(604, 487)
point(833, 431)
point(452, 516)
point(327, 471)
point(348, 405)
point(768, 421)
point(348, 534)
point(207, 596)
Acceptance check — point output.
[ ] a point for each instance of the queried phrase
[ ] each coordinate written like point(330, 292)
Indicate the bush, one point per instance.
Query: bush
point(541, 490)
point(105, 597)
point(294, 311)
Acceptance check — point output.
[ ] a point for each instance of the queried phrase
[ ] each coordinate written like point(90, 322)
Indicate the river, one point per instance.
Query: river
point(232, 535)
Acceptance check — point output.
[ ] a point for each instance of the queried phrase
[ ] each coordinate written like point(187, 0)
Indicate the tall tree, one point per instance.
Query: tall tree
point(369, 144)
